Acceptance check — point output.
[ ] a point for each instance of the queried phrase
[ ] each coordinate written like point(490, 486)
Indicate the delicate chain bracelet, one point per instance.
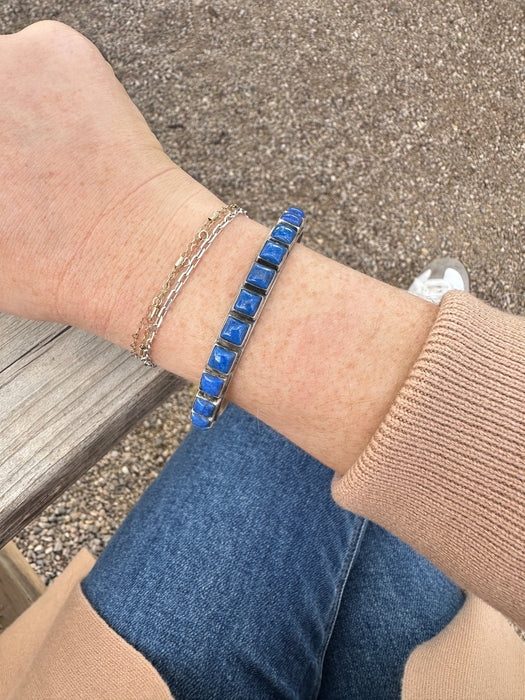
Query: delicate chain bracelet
point(187, 262)
point(243, 316)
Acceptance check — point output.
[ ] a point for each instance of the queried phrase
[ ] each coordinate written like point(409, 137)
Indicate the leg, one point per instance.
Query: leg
point(394, 599)
point(228, 573)
point(229, 576)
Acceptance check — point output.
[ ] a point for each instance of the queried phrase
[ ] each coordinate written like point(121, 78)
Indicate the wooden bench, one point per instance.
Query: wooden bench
point(66, 397)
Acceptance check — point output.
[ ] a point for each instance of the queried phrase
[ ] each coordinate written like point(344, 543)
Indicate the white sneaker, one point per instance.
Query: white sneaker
point(442, 275)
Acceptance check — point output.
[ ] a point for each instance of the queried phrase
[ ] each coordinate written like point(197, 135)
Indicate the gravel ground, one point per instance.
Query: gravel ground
point(398, 126)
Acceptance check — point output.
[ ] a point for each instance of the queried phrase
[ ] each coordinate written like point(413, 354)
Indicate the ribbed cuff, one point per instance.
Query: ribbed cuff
point(445, 472)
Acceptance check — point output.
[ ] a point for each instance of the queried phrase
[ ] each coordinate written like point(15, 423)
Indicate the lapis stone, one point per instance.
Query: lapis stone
point(211, 385)
point(247, 302)
point(221, 359)
point(200, 421)
point(260, 276)
point(203, 407)
point(292, 219)
point(296, 211)
point(234, 330)
point(273, 252)
point(284, 233)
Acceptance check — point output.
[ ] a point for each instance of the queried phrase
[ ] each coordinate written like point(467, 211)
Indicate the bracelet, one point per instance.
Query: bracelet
point(243, 316)
point(186, 263)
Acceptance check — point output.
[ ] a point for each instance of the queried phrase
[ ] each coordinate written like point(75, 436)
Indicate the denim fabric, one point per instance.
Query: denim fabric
point(238, 576)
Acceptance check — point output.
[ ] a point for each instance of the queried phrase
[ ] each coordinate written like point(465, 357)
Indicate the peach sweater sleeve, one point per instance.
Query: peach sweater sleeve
point(445, 471)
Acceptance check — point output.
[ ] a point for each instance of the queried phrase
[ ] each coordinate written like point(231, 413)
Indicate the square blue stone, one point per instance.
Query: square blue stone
point(221, 359)
point(203, 407)
point(292, 219)
point(260, 276)
point(211, 385)
point(234, 330)
point(200, 421)
point(296, 211)
point(273, 252)
point(284, 233)
point(247, 302)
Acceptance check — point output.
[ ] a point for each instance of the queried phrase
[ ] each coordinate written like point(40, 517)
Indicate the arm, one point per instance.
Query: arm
point(95, 215)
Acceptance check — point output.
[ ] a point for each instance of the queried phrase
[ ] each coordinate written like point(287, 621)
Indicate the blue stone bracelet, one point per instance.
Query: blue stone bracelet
point(243, 316)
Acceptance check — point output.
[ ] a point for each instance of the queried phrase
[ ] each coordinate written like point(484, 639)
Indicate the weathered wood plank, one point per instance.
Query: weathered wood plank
point(18, 336)
point(65, 399)
point(19, 585)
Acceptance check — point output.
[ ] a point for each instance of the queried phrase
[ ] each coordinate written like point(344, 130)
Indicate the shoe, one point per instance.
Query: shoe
point(442, 275)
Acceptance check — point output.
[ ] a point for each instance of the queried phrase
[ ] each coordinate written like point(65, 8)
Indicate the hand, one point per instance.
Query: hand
point(81, 175)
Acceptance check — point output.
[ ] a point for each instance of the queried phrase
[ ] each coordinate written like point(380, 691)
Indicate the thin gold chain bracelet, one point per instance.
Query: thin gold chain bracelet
point(184, 266)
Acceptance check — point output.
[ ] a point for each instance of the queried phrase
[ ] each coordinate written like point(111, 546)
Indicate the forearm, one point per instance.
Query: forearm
point(328, 354)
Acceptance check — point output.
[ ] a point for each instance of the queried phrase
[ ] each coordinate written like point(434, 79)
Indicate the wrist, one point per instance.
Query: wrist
point(328, 355)
point(190, 325)
point(130, 253)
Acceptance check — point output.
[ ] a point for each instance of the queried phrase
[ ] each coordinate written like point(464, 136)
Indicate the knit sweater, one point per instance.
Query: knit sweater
point(445, 472)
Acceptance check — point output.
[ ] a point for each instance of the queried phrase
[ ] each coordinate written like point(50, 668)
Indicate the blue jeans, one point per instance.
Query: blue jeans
point(238, 576)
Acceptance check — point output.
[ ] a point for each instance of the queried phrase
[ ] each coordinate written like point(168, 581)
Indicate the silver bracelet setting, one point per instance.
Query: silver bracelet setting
point(243, 316)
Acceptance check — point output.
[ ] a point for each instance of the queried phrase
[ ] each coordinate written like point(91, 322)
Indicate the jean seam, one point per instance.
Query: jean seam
point(352, 550)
